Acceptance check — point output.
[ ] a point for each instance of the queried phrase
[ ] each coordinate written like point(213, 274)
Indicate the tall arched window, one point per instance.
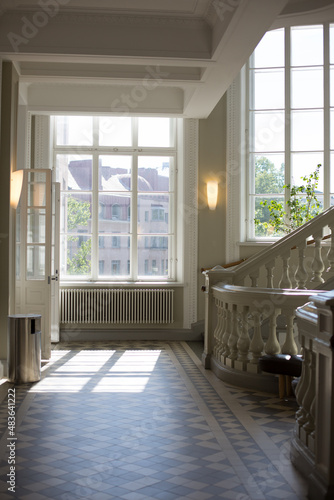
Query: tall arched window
point(289, 117)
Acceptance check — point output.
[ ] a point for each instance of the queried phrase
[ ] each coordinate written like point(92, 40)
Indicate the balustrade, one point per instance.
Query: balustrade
point(277, 265)
point(239, 340)
point(312, 448)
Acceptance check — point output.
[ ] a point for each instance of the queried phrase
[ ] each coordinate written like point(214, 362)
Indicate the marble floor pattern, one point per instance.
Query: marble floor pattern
point(142, 421)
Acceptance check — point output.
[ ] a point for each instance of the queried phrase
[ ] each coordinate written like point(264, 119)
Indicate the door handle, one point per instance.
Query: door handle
point(53, 278)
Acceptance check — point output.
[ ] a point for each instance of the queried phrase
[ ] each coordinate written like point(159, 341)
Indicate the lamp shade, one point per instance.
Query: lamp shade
point(16, 187)
point(212, 194)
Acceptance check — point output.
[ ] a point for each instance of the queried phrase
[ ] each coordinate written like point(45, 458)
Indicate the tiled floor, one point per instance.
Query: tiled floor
point(141, 421)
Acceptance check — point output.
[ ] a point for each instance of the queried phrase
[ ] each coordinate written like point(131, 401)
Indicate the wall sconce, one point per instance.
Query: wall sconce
point(16, 187)
point(212, 194)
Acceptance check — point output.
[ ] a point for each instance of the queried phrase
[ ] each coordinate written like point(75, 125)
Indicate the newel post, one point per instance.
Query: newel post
point(212, 277)
point(321, 480)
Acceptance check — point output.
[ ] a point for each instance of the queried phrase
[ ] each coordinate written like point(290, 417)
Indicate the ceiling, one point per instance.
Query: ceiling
point(171, 56)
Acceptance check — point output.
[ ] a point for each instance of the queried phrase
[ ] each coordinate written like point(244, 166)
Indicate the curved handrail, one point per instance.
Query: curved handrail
point(280, 247)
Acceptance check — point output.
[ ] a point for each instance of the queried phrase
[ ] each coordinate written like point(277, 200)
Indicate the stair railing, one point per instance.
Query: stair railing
point(235, 306)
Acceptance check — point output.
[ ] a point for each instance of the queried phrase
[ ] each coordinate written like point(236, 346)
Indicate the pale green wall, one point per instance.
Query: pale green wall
point(211, 165)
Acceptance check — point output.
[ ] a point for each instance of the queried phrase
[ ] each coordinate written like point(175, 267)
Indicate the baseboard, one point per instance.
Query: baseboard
point(3, 368)
point(198, 328)
point(258, 382)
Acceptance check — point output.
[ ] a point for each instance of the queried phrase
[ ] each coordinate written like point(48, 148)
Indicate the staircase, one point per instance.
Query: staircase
point(243, 303)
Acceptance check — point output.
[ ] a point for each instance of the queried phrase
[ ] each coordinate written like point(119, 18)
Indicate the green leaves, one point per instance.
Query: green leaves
point(302, 206)
point(78, 215)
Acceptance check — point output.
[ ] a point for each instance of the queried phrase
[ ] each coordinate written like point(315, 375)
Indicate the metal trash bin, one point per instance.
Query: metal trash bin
point(24, 348)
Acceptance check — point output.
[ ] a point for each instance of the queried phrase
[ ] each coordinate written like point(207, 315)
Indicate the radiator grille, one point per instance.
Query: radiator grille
point(116, 306)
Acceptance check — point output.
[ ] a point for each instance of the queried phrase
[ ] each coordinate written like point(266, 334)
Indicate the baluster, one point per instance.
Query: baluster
point(221, 330)
point(301, 274)
point(272, 345)
point(226, 335)
point(330, 254)
point(254, 278)
point(305, 419)
point(289, 346)
point(270, 273)
point(285, 280)
point(302, 388)
point(216, 330)
point(234, 337)
point(243, 341)
point(317, 264)
point(257, 344)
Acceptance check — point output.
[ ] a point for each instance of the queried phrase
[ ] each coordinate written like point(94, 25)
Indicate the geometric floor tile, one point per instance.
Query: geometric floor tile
point(141, 421)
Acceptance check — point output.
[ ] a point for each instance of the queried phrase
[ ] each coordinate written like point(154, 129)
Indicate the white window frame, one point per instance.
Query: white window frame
point(95, 151)
point(239, 219)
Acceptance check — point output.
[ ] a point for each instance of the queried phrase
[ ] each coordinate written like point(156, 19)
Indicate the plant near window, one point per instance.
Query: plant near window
point(302, 205)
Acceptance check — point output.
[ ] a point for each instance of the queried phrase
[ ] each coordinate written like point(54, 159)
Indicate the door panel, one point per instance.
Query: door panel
point(35, 251)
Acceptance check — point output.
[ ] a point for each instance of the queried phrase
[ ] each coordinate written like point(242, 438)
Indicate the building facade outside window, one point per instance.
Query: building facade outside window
point(114, 171)
point(289, 117)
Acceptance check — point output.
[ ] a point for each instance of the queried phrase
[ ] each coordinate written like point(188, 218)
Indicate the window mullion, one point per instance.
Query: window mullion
point(134, 217)
point(134, 202)
point(287, 79)
point(249, 146)
point(95, 203)
point(326, 166)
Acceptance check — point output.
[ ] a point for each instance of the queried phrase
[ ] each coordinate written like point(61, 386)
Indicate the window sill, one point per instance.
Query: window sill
point(255, 243)
point(120, 284)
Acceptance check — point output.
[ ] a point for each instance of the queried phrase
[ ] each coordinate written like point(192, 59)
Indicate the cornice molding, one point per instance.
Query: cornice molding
point(91, 17)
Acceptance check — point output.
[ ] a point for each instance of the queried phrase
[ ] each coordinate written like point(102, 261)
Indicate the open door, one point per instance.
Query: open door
point(35, 251)
point(55, 202)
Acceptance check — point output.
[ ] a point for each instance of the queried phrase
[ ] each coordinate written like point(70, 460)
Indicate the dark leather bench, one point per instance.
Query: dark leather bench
point(285, 366)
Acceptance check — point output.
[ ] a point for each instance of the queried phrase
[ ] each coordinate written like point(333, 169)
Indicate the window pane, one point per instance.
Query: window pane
point(332, 86)
point(306, 46)
point(307, 130)
point(153, 255)
point(269, 174)
point(36, 189)
point(36, 225)
point(114, 213)
point(332, 129)
point(115, 131)
point(154, 132)
point(35, 262)
point(269, 89)
point(76, 213)
point(114, 254)
point(153, 173)
point(74, 130)
point(302, 164)
point(307, 88)
point(270, 51)
point(262, 215)
point(75, 255)
point(75, 172)
point(115, 173)
point(331, 34)
point(269, 131)
point(158, 209)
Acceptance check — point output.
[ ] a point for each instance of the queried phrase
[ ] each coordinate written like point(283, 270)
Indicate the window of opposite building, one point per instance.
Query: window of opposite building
point(118, 187)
